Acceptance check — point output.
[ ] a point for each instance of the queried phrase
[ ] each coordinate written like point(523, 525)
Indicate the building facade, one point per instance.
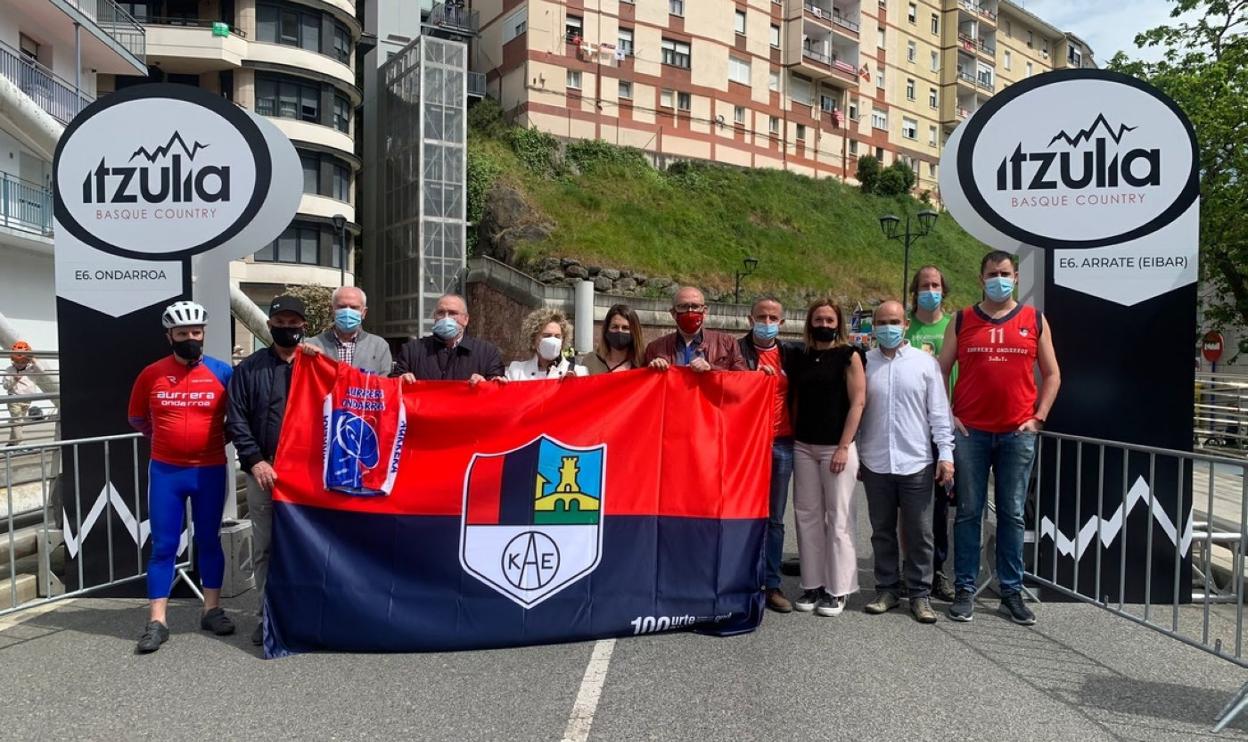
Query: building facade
point(294, 62)
point(53, 55)
point(804, 85)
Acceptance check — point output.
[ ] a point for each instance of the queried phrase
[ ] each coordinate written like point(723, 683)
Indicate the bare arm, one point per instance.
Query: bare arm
point(856, 380)
point(1050, 373)
point(949, 350)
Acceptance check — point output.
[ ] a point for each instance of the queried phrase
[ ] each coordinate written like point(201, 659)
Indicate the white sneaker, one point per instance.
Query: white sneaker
point(829, 605)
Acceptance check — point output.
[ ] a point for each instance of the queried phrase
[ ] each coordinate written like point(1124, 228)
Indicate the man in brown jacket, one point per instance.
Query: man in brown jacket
point(691, 345)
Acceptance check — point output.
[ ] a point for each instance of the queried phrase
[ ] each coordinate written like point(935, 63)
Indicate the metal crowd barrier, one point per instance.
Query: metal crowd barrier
point(35, 544)
point(1221, 413)
point(37, 422)
point(1213, 620)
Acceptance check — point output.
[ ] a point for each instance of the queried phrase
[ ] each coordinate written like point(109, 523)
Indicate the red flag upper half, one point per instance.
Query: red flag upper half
point(675, 443)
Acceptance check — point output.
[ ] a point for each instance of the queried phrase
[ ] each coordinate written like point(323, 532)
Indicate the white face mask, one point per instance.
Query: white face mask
point(549, 348)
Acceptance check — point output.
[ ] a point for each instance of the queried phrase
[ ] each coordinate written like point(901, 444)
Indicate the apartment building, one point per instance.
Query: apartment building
point(294, 62)
point(52, 55)
point(803, 85)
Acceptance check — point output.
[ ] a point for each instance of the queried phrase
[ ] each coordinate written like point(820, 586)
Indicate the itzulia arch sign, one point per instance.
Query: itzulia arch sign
point(1093, 178)
point(157, 188)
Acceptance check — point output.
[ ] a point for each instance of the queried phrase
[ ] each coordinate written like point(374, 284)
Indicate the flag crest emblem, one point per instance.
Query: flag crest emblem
point(532, 518)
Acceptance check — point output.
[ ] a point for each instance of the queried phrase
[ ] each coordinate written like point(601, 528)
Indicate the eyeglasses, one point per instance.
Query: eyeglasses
point(690, 307)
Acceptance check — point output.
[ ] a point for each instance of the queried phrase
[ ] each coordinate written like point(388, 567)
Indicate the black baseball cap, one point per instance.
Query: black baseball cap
point(288, 303)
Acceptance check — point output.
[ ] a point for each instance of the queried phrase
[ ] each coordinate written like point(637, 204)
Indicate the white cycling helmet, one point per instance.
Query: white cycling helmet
point(184, 314)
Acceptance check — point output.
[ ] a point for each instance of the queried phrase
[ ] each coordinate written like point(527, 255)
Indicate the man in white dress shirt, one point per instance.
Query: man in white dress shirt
point(907, 411)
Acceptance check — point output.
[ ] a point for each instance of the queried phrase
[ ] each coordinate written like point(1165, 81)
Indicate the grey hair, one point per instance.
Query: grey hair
point(333, 298)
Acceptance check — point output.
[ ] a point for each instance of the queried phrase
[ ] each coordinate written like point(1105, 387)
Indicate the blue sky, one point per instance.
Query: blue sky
point(1108, 26)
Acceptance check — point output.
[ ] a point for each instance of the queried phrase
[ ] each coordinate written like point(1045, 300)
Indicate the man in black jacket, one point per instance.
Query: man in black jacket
point(763, 351)
point(449, 354)
point(258, 391)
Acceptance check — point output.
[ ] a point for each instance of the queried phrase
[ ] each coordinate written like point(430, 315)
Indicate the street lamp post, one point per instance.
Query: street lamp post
point(750, 264)
point(889, 225)
point(340, 224)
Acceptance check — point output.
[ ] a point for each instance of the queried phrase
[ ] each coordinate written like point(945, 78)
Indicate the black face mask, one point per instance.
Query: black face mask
point(824, 334)
point(619, 340)
point(286, 337)
point(188, 350)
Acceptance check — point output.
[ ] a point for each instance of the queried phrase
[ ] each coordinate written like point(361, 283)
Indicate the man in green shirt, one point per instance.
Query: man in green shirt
point(927, 331)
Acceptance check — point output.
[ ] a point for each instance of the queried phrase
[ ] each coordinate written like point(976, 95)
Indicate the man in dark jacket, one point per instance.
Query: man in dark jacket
point(448, 354)
point(692, 345)
point(258, 391)
point(762, 350)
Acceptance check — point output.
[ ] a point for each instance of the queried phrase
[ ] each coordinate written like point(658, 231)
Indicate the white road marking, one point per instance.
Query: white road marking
point(586, 705)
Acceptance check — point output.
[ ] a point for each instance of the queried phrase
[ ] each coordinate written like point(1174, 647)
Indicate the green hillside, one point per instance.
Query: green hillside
point(606, 206)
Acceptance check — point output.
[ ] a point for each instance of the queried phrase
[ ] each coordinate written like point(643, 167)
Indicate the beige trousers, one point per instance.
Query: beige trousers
point(827, 518)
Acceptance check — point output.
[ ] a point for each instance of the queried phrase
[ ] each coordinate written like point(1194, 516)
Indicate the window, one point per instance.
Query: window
point(1074, 57)
point(879, 119)
point(294, 26)
point(933, 98)
point(739, 22)
point(626, 89)
point(676, 7)
point(288, 98)
point(667, 99)
point(1029, 69)
point(879, 154)
point(935, 24)
point(775, 36)
point(909, 88)
point(935, 61)
point(299, 243)
point(339, 184)
point(931, 170)
point(738, 114)
point(853, 147)
point(1006, 60)
point(773, 125)
point(342, 43)
point(311, 173)
point(853, 110)
point(342, 113)
point(879, 78)
point(880, 41)
point(517, 24)
point(684, 101)
point(676, 53)
point(574, 79)
point(773, 81)
point(572, 27)
point(912, 52)
point(931, 136)
point(739, 70)
point(827, 103)
point(909, 128)
point(1009, 29)
point(625, 42)
point(800, 90)
point(801, 132)
point(912, 13)
point(1044, 47)
point(137, 9)
point(1031, 39)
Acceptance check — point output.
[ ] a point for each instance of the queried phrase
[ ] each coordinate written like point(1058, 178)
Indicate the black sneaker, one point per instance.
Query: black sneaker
point(1013, 608)
point(257, 636)
point(829, 605)
point(154, 634)
point(942, 588)
point(217, 622)
point(963, 608)
point(807, 602)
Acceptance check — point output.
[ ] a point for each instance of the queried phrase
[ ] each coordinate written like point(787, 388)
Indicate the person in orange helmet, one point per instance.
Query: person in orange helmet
point(17, 381)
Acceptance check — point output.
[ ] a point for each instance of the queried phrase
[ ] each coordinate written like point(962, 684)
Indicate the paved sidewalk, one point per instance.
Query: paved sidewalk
point(1080, 673)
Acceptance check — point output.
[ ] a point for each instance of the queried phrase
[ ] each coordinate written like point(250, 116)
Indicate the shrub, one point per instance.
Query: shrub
point(895, 180)
point(596, 155)
point(483, 170)
point(536, 150)
point(868, 173)
point(486, 119)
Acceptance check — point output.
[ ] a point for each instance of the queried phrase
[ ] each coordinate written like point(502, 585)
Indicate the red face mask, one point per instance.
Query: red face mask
point(690, 322)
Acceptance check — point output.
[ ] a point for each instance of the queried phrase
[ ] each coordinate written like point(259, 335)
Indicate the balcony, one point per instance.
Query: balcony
point(194, 46)
point(842, 17)
point(986, 47)
point(445, 19)
point(114, 22)
point(476, 84)
point(966, 78)
point(55, 96)
point(966, 42)
point(985, 83)
point(25, 206)
point(826, 55)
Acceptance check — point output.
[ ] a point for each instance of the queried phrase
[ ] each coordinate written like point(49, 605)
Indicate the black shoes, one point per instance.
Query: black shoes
point(257, 636)
point(154, 634)
point(807, 602)
point(217, 622)
point(942, 588)
point(1013, 608)
point(963, 608)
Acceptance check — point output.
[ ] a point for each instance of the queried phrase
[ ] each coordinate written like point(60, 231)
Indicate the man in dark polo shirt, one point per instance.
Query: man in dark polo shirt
point(448, 354)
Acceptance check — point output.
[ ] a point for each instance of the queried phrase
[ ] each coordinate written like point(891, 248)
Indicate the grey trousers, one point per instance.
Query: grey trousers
point(911, 496)
point(260, 511)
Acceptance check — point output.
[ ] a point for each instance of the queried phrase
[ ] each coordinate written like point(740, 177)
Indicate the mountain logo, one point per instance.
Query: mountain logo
point(1085, 135)
point(168, 146)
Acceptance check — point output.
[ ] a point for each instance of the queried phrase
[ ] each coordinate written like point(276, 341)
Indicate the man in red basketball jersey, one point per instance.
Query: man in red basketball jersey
point(997, 414)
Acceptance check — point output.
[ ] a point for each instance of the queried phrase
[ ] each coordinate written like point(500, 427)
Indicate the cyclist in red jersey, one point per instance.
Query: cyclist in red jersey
point(997, 414)
point(180, 402)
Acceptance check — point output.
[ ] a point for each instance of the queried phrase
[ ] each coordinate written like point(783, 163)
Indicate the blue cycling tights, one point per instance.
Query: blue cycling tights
point(168, 488)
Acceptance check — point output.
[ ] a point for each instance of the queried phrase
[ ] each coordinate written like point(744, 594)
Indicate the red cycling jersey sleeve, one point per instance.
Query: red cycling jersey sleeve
point(183, 407)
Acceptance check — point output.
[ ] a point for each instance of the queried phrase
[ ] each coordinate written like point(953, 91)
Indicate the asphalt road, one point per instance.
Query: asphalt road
point(1080, 673)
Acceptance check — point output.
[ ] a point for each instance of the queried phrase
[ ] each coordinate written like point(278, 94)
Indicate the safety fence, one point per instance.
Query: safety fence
point(1153, 535)
point(1221, 413)
point(29, 399)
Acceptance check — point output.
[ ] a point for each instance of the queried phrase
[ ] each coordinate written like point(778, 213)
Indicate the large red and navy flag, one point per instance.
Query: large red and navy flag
point(528, 513)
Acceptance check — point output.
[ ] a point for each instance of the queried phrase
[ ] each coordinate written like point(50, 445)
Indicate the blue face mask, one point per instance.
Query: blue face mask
point(999, 288)
point(446, 328)
point(766, 330)
point(889, 336)
point(929, 301)
point(347, 319)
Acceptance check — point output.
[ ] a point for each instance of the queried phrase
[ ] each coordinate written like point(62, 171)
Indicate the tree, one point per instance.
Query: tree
point(316, 301)
point(895, 180)
point(868, 173)
point(1205, 70)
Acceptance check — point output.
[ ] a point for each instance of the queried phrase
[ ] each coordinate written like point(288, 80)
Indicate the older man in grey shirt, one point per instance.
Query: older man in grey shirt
point(907, 410)
point(346, 341)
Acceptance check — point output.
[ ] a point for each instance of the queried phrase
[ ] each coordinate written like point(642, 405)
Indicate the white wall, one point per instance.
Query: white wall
point(27, 295)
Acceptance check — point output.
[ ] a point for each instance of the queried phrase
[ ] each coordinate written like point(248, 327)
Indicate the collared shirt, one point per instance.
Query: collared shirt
point(690, 350)
point(346, 348)
point(907, 410)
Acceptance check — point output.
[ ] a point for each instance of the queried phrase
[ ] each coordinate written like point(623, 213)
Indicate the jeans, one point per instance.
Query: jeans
point(781, 474)
point(910, 496)
point(1009, 456)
